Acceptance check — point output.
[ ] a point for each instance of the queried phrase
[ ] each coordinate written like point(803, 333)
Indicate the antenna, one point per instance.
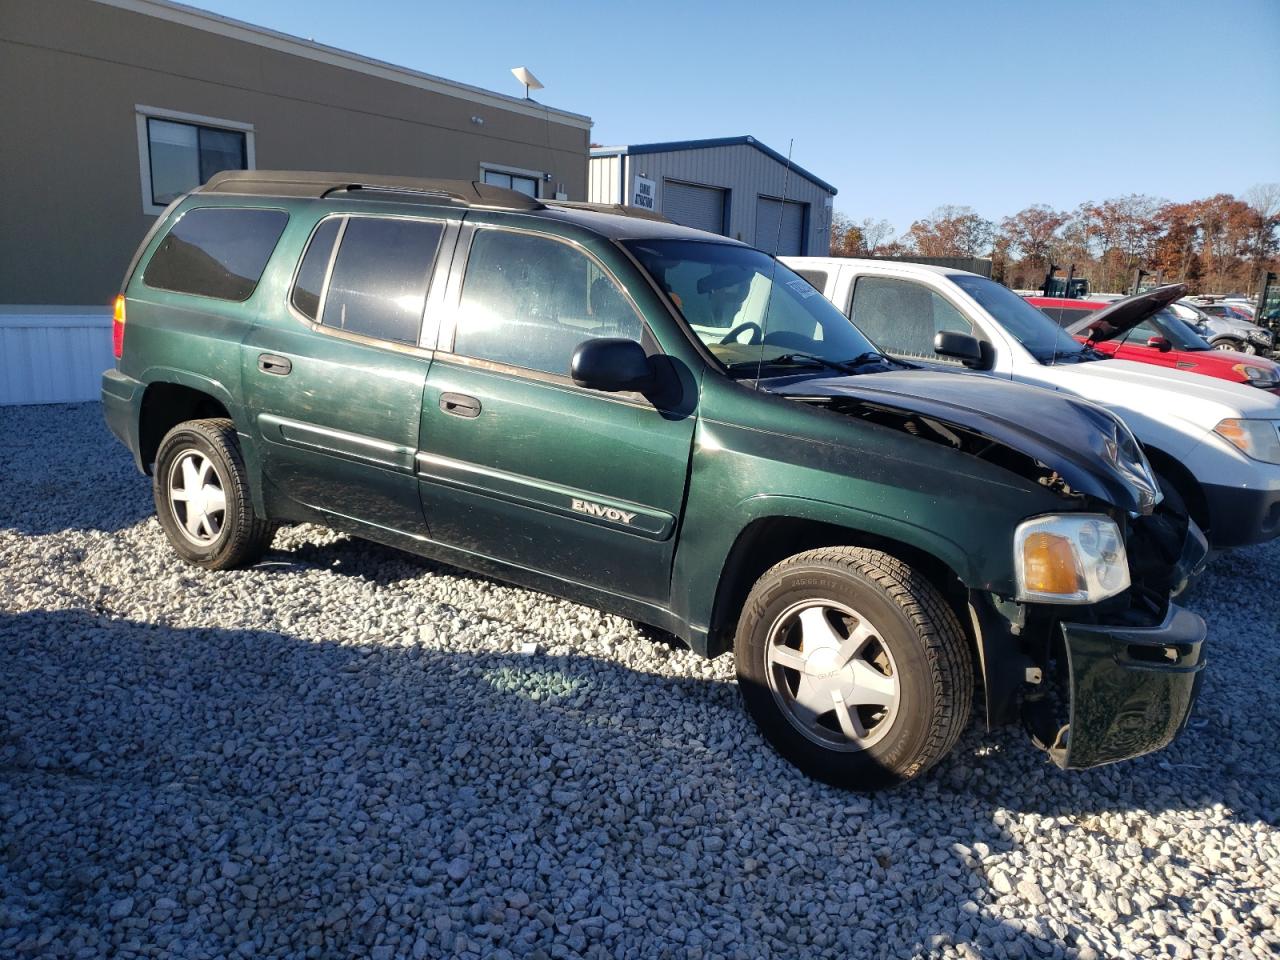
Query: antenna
point(773, 273)
point(526, 77)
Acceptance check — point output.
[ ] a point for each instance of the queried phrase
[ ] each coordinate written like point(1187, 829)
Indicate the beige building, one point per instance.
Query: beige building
point(110, 108)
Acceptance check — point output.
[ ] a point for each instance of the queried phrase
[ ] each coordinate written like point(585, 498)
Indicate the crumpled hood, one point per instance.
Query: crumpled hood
point(1088, 447)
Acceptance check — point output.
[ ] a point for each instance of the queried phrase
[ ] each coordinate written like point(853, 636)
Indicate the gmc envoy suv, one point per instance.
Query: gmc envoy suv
point(670, 426)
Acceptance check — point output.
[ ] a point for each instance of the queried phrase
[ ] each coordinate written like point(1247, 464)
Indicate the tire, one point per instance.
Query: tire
point(1228, 344)
point(912, 712)
point(1175, 501)
point(204, 456)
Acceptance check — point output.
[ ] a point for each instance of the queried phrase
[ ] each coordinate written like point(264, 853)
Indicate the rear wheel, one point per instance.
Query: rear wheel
point(202, 498)
point(853, 667)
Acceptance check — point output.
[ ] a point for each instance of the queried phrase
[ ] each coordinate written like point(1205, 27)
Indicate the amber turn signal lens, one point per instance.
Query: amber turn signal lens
point(117, 326)
point(1049, 565)
point(1235, 433)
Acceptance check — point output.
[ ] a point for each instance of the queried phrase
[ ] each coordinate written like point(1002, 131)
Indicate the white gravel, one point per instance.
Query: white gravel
point(347, 751)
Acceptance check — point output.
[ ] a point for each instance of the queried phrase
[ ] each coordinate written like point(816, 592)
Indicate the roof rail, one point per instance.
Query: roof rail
point(617, 209)
point(304, 183)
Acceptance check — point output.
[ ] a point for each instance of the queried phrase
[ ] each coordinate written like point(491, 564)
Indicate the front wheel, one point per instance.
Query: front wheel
point(853, 667)
point(202, 498)
point(1236, 345)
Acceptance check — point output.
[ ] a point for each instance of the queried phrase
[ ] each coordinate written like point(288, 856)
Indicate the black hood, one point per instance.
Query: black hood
point(1062, 442)
point(1117, 319)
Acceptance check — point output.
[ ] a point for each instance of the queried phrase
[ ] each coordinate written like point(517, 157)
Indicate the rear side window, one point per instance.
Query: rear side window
point(217, 252)
point(315, 263)
point(816, 277)
point(378, 286)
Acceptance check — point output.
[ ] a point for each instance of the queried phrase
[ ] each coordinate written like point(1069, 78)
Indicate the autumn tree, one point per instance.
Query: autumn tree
point(863, 239)
point(1122, 234)
point(952, 231)
point(1032, 234)
point(1265, 201)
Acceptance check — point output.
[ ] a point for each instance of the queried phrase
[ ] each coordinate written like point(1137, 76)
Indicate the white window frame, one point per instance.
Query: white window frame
point(142, 113)
point(538, 177)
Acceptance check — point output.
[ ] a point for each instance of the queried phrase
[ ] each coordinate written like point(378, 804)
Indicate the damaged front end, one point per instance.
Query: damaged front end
point(1109, 682)
point(1087, 650)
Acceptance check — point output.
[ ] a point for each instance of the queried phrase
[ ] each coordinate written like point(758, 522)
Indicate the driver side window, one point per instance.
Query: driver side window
point(1142, 333)
point(528, 301)
point(902, 317)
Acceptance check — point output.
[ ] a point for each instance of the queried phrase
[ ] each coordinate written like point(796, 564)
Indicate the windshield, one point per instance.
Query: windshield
point(749, 310)
point(1043, 338)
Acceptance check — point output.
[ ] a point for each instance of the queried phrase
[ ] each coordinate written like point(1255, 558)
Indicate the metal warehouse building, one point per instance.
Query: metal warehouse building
point(111, 108)
point(735, 186)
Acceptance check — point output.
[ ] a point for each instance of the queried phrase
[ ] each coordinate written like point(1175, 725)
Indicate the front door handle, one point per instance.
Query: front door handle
point(460, 405)
point(270, 363)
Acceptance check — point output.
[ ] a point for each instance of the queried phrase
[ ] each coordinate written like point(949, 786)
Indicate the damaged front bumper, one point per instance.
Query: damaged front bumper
point(1131, 688)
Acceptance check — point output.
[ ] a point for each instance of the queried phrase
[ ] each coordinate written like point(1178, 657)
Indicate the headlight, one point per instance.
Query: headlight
point(1125, 454)
point(1261, 336)
point(1259, 439)
point(1070, 559)
point(1257, 376)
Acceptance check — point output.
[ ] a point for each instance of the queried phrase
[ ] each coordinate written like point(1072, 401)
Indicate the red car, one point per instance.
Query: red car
point(1143, 328)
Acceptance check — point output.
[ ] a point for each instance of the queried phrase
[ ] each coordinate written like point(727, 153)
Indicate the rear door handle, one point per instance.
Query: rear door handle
point(270, 363)
point(460, 405)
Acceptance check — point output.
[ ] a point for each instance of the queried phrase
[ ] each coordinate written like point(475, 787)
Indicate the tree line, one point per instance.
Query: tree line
point(1216, 245)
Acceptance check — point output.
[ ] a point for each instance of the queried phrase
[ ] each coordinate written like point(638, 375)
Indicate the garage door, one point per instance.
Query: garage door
point(790, 241)
point(693, 206)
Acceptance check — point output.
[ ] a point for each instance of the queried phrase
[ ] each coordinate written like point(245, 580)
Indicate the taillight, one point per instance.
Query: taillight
point(117, 327)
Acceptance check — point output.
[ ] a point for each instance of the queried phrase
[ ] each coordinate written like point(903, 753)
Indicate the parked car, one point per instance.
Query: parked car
point(1217, 308)
point(1216, 445)
point(1226, 332)
point(1155, 334)
point(668, 425)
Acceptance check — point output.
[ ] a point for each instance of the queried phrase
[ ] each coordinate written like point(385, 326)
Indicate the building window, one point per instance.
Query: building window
point(180, 151)
point(525, 181)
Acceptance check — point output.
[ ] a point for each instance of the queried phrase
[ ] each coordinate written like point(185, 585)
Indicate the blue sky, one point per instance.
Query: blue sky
point(903, 105)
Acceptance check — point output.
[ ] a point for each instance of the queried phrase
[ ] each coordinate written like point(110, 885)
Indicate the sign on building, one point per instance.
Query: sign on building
point(645, 194)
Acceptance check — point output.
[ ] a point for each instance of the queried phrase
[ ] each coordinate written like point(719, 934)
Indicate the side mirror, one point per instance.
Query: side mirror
point(960, 346)
point(611, 364)
point(1160, 343)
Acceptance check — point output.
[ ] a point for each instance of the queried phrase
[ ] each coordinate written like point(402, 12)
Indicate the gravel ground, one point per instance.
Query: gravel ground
point(347, 751)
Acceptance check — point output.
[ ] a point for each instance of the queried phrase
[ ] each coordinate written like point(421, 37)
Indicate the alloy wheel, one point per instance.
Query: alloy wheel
point(832, 676)
point(197, 497)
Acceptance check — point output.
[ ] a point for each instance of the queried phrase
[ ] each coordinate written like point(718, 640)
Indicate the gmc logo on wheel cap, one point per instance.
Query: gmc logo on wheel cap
point(598, 510)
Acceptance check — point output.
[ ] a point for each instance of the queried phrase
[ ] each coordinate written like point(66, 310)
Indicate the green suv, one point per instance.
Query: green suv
point(670, 426)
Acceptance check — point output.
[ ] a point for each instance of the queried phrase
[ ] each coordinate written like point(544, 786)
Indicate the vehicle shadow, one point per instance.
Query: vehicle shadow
point(156, 781)
point(46, 481)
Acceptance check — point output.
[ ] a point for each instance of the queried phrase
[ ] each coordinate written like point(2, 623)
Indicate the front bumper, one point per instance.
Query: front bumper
point(1241, 516)
point(1131, 688)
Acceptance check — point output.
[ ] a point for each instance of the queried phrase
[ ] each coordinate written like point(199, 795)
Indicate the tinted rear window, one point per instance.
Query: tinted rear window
point(306, 288)
point(378, 286)
point(216, 252)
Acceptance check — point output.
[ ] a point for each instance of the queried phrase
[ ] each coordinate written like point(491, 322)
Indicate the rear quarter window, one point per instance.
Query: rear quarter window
point(818, 278)
point(217, 252)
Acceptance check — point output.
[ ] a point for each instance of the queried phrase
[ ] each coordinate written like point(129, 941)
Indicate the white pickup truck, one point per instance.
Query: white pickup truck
point(1215, 443)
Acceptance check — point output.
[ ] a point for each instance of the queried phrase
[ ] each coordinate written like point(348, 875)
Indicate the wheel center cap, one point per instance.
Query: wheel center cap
point(822, 664)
